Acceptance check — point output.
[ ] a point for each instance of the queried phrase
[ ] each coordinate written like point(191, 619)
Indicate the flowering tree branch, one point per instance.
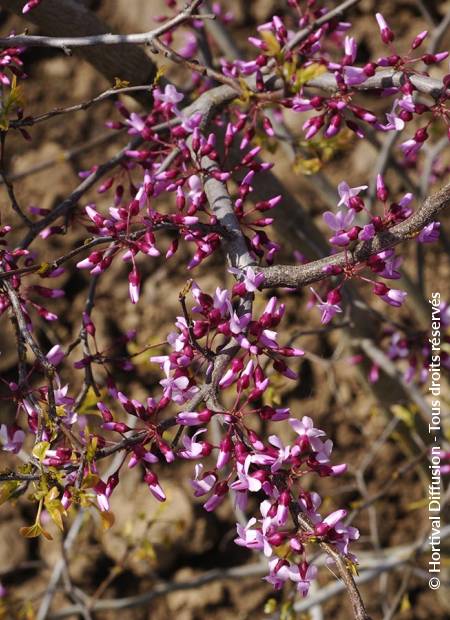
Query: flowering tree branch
point(301, 275)
point(192, 167)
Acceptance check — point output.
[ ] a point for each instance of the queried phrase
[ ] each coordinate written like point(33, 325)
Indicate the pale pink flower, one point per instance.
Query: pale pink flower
point(11, 439)
point(346, 192)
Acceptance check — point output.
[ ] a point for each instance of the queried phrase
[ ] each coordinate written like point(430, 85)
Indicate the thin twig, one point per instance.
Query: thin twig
point(59, 567)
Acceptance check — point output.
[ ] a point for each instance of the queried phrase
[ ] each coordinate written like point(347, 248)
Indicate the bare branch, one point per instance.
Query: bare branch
point(67, 43)
point(65, 18)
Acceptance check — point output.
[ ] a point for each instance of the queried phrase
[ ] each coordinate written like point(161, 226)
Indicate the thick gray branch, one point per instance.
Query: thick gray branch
point(86, 40)
point(386, 78)
point(66, 18)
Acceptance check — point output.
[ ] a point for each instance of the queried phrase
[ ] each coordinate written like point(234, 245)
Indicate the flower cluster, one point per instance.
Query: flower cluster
point(191, 174)
point(275, 470)
point(347, 233)
point(276, 45)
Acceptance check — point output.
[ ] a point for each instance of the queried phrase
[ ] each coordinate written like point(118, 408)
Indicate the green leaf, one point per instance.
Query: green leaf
point(306, 74)
point(89, 404)
point(273, 46)
point(7, 489)
point(54, 507)
point(271, 606)
point(40, 450)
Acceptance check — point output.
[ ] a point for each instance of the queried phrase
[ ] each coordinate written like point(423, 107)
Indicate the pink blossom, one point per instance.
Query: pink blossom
point(224, 452)
point(382, 192)
point(193, 449)
point(327, 308)
point(354, 75)
point(248, 537)
point(302, 576)
point(170, 97)
point(350, 49)
point(391, 296)
point(190, 46)
point(308, 435)
point(135, 122)
point(31, 4)
point(346, 193)
point(217, 496)
point(386, 33)
point(55, 355)
point(300, 104)
point(134, 286)
point(410, 148)
point(430, 233)
point(367, 233)
point(193, 418)
point(203, 482)
point(391, 265)
point(176, 387)
point(190, 123)
point(102, 498)
point(250, 279)
point(153, 484)
point(11, 439)
point(339, 221)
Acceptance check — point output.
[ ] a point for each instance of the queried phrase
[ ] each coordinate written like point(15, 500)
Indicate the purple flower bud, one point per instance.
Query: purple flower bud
point(55, 355)
point(430, 59)
point(224, 452)
point(419, 39)
point(370, 68)
point(382, 192)
point(134, 286)
point(193, 418)
point(152, 480)
point(430, 233)
point(333, 126)
point(217, 497)
point(387, 36)
point(421, 135)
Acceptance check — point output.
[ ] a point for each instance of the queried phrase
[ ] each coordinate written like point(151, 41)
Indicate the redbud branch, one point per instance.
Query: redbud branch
point(385, 78)
point(68, 18)
point(47, 367)
point(194, 65)
point(18, 477)
point(29, 121)
point(160, 589)
point(9, 187)
point(59, 566)
point(327, 17)
point(199, 226)
point(301, 275)
point(66, 43)
point(344, 571)
point(68, 203)
point(89, 380)
point(192, 339)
